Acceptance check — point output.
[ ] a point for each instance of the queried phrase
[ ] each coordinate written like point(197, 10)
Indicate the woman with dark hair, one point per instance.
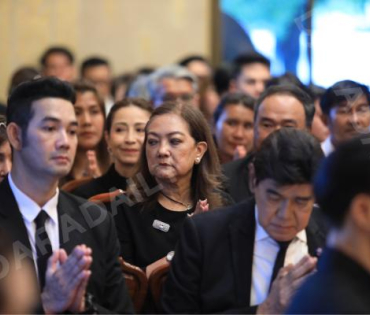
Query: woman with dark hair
point(92, 158)
point(124, 134)
point(5, 151)
point(178, 175)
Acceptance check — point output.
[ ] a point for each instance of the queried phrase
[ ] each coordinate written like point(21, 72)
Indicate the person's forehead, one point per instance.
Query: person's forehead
point(168, 123)
point(355, 101)
point(280, 104)
point(57, 58)
point(287, 190)
point(254, 69)
point(238, 111)
point(53, 107)
point(99, 70)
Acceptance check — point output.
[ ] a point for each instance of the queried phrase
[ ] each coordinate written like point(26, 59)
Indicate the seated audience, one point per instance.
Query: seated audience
point(197, 65)
point(250, 74)
point(279, 106)
point(251, 257)
point(342, 283)
point(171, 83)
point(318, 127)
point(178, 176)
point(58, 62)
point(72, 247)
point(346, 106)
point(5, 151)
point(97, 70)
point(92, 158)
point(233, 126)
point(124, 134)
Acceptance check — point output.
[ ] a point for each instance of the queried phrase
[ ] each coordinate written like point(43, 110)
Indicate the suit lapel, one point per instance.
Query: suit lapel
point(70, 229)
point(242, 231)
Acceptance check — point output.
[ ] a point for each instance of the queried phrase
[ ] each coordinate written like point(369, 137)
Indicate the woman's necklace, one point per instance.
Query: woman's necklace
point(188, 206)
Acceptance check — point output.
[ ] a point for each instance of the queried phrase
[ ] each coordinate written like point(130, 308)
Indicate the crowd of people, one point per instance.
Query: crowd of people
point(253, 189)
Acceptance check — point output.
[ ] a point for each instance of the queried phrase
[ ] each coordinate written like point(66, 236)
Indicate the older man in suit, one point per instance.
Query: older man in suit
point(251, 257)
point(279, 106)
point(71, 244)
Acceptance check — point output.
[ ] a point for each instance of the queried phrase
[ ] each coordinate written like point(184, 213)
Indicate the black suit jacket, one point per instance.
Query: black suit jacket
point(237, 175)
point(341, 286)
point(103, 184)
point(78, 224)
point(212, 269)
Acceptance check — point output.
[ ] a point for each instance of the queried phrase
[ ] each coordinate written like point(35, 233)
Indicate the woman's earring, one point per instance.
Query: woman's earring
point(197, 160)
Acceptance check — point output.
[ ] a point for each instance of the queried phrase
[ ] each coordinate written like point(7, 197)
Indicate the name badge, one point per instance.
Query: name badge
point(159, 225)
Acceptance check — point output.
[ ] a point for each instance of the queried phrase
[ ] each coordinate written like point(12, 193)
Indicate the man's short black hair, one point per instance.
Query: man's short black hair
point(342, 92)
point(288, 156)
point(93, 62)
point(19, 109)
point(185, 61)
point(56, 50)
point(236, 98)
point(292, 90)
point(344, 174)
point(246, 59)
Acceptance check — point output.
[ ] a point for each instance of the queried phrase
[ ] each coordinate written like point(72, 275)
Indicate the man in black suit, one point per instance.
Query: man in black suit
point(71, 244)
point(279, 106)
point(227, 260)
point(342, 283)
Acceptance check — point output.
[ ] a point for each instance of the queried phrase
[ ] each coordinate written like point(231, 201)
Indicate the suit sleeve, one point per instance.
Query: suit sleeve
point(181, 292)
point(116, 296)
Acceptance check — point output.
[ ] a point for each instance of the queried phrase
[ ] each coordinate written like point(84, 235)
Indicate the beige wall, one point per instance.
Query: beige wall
point(130, 33)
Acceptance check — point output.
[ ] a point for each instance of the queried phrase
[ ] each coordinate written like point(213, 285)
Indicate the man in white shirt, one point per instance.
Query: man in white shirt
point(251, 257)
point(346, 108)
point(72, 246)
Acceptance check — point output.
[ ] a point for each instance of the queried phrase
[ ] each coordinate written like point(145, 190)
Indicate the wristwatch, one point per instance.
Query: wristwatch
point(170, 255)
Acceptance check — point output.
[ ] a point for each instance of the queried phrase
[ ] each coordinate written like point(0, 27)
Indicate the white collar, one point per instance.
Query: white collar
point(327, 146)
point(261, 233)
point(29, 208)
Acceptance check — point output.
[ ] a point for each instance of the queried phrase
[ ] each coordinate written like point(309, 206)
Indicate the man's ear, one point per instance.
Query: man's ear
point(252, 177)
point(360, 212)
point(15, 136)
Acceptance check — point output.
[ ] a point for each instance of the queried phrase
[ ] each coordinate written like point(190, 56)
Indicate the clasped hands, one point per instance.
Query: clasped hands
point(288, 280)
point(66, 280)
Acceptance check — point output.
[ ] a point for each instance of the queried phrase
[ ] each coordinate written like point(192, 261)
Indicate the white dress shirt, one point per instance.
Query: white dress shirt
point(30, 210)
point(327, 146)
point(264, 256)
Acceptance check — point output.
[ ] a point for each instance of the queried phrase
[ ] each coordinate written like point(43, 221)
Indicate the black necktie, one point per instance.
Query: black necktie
point(279, 261)
point(43, 246)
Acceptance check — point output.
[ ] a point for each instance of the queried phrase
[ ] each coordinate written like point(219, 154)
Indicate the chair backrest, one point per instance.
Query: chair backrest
point(136, 282)
point(157, 279)
point(75, 183)
point(106, 197)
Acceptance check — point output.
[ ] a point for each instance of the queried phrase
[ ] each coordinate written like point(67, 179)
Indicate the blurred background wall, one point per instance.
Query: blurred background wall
point(130, 33)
